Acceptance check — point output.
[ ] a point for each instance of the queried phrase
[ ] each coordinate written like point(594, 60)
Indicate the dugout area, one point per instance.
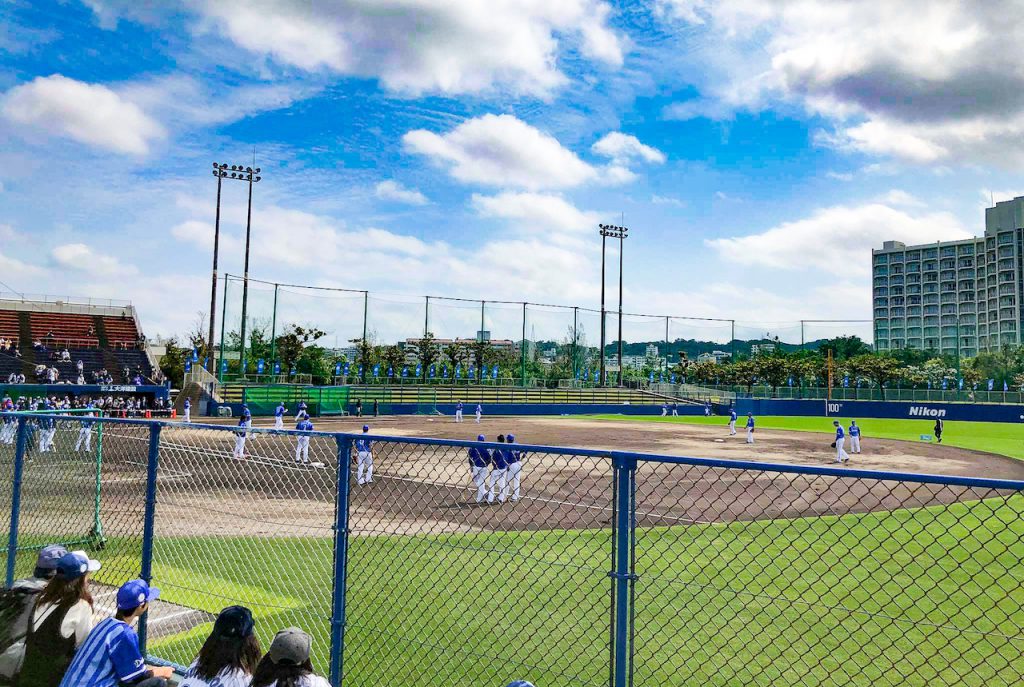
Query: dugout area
point(717, 548)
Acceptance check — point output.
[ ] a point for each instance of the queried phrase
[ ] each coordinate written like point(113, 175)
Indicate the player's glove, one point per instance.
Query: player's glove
point(833, 444)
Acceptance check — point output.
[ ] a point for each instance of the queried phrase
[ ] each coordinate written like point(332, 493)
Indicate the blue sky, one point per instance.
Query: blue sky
point(757, 149)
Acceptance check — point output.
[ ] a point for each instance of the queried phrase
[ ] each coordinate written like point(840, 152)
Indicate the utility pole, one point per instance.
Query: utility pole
point(615, 232)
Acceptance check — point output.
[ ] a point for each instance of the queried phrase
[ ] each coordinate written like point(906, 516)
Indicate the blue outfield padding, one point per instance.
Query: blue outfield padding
point(506, 409)
point(897, 410)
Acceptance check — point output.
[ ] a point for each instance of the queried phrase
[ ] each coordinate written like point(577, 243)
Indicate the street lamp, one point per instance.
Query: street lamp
point(239, 173)
point(615, 232)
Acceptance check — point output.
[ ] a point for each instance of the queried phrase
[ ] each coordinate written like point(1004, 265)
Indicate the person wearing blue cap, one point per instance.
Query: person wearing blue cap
point(513, 460)
point(499, 468)
point(479, 460)
point(85, 432)
point(243, 428)
point(364, 458)
point(302, 442)
point(59, 623)
point(229, 655)
point(22, 595)
point(279, 416)
point(110, 656)
point(188, 410)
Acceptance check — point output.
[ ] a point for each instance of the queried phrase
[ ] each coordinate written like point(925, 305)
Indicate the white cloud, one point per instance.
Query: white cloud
point(81, 258)
point(623, 149)
point(501, 150)
point(725, 197)
point(392, 190)
point(536, 211)
point(837, 239)
point(416, 46)
point(950, 89)
point(667, 200)
point(196, 232)
point(89, 113)
point(902, 199)
point(839, 176)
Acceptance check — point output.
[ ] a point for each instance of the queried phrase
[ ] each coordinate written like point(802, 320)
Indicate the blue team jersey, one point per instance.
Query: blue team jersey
point(279, 412)
point(479, 457)
point(750, 422)
point(479, 409)
point(246, 415)
point(854, 431)
point(110, 655)
point(363, 445)
point(499, 459)
point(839, 432)
point(87, 422)
point(732, 416)
point(188, 403)
point(512, 457)
point(458, 406)
point(46, 422)
point(304, 426)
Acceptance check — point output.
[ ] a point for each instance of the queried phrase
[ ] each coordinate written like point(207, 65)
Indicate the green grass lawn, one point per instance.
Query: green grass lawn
point(1003, 438)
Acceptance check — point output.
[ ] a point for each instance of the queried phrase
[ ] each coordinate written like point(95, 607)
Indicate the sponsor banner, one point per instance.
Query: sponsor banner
point(968, 412)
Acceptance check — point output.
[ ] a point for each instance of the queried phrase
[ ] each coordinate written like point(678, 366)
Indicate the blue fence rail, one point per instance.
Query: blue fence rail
point(557, 565)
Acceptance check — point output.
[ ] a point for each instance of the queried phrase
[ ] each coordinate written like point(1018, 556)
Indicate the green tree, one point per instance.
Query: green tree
point(742, 372)
point(172, 364)
point(427, 352)
point(844, 347)
point(771, 369)
point(365, 348)
point(878, 368)
point(291, 343)
point(391, 358)
point(455, 353)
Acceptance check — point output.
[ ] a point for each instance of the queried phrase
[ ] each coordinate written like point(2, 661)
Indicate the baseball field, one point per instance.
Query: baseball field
point(744, 577)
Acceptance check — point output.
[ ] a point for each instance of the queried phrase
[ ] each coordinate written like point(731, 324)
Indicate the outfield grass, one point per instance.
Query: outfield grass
point(1002, 438)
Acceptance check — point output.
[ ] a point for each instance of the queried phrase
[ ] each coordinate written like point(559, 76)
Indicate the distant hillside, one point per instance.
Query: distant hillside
point(694, 348)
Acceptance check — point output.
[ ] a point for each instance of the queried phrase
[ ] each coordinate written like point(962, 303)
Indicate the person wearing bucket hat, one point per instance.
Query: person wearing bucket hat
point(287, 662)
point(229, 655)
point(59, 623)
point(110, 656)
point(22, 595)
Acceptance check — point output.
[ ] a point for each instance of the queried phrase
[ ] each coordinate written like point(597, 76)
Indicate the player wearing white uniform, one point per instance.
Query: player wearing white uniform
point(188, 410)
point(47, 431)
point(675, 409)
point(732, 422)
point(279, 416)
point(364, 459)
point(246, 418)
point(514, 462)
point(854, 437)
point(664, 409)
point(458, 411)
point(240, 433)
point(750, 428)
point(479, 460)
point(499, 469)
point(9, 426)
point(85, 433)
point(840, 443)
point(302, 411)
point(302, 445)
point(707, 409)
point(479, 412)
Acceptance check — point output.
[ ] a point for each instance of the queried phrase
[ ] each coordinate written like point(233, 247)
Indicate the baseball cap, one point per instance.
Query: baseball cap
point(134, 593)
point(234, 621)
point(510, 439)
point(290, 645)
point(49, 555)
point(366, 428)
point(481, 437)
point(76, 564)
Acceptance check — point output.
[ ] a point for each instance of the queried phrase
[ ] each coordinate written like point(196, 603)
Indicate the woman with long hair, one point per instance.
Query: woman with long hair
point(229, 655)
point(59, 623)
point(287, 662)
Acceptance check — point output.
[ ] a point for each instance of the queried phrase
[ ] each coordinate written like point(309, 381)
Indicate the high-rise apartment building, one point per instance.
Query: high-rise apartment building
point(958, 297)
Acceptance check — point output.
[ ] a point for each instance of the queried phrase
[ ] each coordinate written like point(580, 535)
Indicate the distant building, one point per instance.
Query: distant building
point(763, 348)
point(716, 357)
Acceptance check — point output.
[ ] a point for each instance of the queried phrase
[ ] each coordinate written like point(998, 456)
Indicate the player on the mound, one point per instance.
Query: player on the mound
point(732, 422)
point(854, 437)
point(302, 444)
point(302, 411)
point(839, 443)
point(458, 411)
point(479, 460)
point(279, 415)
point(750, 428)
point(364, 458)
point(240, 432)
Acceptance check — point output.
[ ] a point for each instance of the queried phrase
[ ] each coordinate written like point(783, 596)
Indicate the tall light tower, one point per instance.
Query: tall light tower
point(620, 233)
point(239, 173)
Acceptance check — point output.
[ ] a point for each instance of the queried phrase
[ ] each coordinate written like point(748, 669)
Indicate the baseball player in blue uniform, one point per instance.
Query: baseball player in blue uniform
point(750, 428)
point(839, 443)
point(302, 444)
point(47, 430)
point(10, 424)
point(664, 409)
point(458, 411)
point(732, 422)
point(514, 463)
point(854, 437)
point(479, 460)
point(364, 458)
point(675, 409)
point(302, 411)
point(479, 412)
point(279, 415)
point(247, 417)
point(243, 428)
point(499, 469)
point(85, 432)
point(188, 410)
point(707, 408)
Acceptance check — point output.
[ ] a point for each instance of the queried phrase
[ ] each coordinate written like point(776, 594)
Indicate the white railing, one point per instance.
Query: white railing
point(204, 379)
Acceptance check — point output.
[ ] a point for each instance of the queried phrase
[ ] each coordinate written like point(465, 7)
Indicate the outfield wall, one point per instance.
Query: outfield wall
point(880, 409)
point(495, 409)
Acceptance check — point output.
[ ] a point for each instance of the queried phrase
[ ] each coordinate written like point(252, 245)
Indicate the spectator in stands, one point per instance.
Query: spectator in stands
point(110, 654)
point(65, 356)
point(28, 590)
point(287, 662)
point(21, 378)
point(80, 366)
point(81, 379)
point(229, 655)
point(59, 623)
point(92, 331)
point(17, 351)
point(12, 378)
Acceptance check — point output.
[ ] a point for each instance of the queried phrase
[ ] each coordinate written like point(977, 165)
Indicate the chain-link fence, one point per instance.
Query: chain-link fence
point(418, 561)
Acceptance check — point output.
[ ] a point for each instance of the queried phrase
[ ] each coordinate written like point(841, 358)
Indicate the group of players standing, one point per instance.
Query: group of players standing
point(496, 472)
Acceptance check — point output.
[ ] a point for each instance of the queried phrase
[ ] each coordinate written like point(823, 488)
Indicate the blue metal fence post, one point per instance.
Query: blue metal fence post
point(624, 471)
point(344, 442)
point(19, 471)
point(146, 573)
